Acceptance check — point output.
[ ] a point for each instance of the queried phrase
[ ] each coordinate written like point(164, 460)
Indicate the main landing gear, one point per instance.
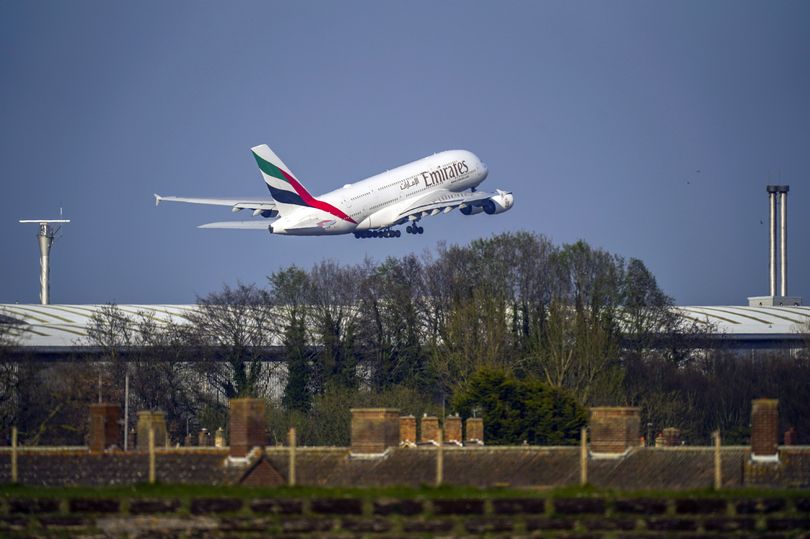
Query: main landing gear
point(386, 233)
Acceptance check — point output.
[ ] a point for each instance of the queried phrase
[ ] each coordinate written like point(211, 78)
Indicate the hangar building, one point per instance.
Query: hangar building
point(54, 332)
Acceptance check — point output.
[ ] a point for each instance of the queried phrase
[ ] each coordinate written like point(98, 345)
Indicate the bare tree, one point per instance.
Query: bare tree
point(162, 378)
point(391, 324)
point(233, 329)
point(334, 297)
point(578, 346)
point(112, 330)
point(10, 376)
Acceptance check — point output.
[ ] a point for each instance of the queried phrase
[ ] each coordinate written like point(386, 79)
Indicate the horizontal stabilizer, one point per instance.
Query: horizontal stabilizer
point(239, 225)
point(235, 203)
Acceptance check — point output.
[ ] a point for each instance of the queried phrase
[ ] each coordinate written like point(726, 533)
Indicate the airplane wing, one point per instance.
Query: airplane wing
point(265, 206)
point(442, 200)
point(239, 225)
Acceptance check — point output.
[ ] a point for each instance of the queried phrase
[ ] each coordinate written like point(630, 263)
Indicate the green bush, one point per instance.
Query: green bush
point(516, 410)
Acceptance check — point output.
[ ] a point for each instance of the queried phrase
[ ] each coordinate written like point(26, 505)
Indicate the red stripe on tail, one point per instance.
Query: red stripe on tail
point(313, 202)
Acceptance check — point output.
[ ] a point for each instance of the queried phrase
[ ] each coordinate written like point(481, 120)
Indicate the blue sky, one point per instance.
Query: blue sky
point(649, 129)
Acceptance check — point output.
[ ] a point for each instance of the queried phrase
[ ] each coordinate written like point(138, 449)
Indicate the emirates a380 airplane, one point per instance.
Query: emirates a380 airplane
point(369, 208)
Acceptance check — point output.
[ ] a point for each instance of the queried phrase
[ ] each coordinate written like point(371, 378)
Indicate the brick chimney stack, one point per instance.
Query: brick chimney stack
point(765, 430)
point(204, 438)
point(452, 430)
point(407, 430)
point(247, 426)
point(475, 431)
point(791, 437)
point(430, 430)
point(672, 437)
point(614, 429)
point(105, 426)
point(374, 430)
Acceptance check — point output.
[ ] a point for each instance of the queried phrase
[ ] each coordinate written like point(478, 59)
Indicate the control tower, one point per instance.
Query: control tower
point(48, 228)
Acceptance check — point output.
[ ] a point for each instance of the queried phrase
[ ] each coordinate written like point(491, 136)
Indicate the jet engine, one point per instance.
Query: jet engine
point(259, 211)
point(499, 203)
point(471, 210)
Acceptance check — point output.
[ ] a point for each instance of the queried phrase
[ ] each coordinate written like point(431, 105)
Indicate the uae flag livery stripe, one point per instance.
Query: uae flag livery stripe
point(285, 189)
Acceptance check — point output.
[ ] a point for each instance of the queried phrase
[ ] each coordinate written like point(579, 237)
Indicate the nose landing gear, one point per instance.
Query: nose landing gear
point(413, 229)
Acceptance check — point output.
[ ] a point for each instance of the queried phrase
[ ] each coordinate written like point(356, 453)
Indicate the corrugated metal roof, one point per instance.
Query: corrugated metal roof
point(56, 326)
point(735, 320)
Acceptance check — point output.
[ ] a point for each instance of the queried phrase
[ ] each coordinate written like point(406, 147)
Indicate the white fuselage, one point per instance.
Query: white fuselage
point(376, 202)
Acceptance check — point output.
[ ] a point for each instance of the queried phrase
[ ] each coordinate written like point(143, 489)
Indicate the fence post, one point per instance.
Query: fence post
point(292, 457)
point(583, 456)
point(440, 458)
point(14, 476)
point(718, 470)
point(151, 455)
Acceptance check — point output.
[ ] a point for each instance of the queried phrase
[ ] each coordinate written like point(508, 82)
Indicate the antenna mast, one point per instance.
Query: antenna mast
point(47, 233)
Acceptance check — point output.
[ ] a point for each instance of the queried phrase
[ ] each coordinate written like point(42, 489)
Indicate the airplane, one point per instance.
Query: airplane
point(370, 208)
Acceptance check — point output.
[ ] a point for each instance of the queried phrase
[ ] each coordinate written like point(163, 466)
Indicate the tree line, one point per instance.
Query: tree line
point(567, 326)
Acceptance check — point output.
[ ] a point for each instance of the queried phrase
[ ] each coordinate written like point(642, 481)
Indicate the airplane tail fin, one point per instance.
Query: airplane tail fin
point(285, 189)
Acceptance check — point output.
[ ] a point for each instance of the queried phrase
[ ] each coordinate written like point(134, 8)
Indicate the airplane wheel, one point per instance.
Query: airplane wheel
point(420, 230)
point(398, 233)
point(409, 229)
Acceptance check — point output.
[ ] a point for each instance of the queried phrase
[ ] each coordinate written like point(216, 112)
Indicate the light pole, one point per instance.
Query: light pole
point(126, 405)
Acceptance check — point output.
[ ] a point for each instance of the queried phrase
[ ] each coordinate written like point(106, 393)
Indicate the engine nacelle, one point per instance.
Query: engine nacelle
point(471, 210)
point(259, 211)
point(499, 203)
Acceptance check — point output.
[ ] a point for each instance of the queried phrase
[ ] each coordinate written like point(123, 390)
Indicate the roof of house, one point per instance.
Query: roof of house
point(676, 467)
